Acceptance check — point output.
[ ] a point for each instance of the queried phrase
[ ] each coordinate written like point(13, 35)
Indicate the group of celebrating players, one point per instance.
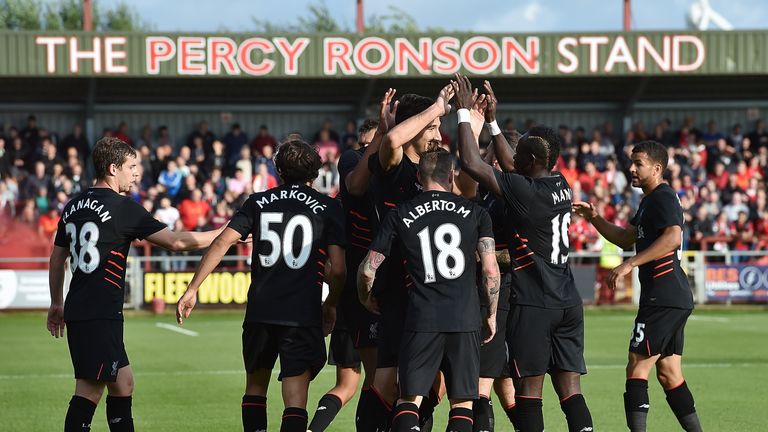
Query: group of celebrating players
point(445, 277)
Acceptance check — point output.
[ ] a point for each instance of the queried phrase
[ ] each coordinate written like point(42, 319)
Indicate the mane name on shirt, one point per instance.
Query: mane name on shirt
point(434, 205)
point(561, 195)
point(294, 194)
point(90, 204)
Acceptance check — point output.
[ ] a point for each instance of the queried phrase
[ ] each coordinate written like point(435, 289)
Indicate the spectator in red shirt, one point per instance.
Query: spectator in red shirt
point(570, 171)
point(192, 209)
point(261, 140)
point(122, 133)
point(49, 223)
point(588, 177)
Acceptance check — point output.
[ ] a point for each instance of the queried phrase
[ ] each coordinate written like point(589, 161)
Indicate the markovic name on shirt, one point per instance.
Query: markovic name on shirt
point(434, 205)
point(293, 194)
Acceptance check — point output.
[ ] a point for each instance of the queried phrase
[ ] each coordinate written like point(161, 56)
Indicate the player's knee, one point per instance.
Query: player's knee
point(669, 378)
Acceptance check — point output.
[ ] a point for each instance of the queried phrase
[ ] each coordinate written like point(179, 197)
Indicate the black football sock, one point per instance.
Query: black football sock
point(511, 412)
point(405, 417)
point(577, 414)
point(79, 415)
point(680, 400)
point(636, 404)
point(294, 420)
point(482, 412)
point(426, 411)
point(119, 415)
point(529, 415)
point(362, 417)
point(459, 420)
point(254, 413)
point(380, 412)
point(327, 408)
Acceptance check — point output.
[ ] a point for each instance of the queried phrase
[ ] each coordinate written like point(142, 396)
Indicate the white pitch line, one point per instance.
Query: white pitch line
point(708, 318)
point(333, 370)
point(177, 329)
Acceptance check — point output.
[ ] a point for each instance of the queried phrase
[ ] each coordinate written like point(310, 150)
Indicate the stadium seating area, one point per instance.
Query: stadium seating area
point(197, 183)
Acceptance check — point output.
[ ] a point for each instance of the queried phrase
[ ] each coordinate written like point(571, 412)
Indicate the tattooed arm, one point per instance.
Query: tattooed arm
point(486, 248)
point(366, 274)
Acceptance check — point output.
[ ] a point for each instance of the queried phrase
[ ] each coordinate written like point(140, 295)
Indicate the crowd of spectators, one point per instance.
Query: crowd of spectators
point(198, 182)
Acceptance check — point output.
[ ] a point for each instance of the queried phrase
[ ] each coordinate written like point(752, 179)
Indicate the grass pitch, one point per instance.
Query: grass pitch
point(195, 383)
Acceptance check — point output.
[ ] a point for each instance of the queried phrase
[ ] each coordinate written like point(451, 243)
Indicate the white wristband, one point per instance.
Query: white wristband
point(494, 128)
point(463, 114)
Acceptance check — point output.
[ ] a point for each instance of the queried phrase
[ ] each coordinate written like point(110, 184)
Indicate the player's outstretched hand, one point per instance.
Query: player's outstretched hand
point(387, 111)
point(584, 209)
point(491, 102)
point(445, 96)
point(329, 319)
point(185, 305)
point(465, 96)
point(247, 240)
point(372, 304)
point(56, 320)
point(490, 328)
point(618, 274)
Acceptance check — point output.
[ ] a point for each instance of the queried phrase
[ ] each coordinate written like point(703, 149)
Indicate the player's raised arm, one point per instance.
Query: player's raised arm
point(207, 264)
point(391, 150)
point(622, 237)
point(357, 180)
point(56, 270)
point(471, 161)
point(504, 153)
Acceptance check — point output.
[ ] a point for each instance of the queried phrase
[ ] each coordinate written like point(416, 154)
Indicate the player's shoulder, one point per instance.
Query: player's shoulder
point(664, 194)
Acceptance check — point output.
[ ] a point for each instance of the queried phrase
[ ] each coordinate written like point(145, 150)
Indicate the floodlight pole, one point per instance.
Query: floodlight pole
point(87, 15)
point(360, 20)
point(627, 15)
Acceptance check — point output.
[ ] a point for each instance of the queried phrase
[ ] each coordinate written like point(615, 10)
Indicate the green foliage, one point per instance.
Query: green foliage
point(20, 14)
point(67, 15)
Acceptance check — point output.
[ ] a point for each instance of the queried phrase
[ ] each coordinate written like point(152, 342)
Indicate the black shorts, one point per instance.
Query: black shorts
point(659, 330)
point(457, 355)
point(97, 349)
point(390, 333)
point(300, 348)
point(361, 324)
point(493, 355)
point(341, 351)
point(545, 340)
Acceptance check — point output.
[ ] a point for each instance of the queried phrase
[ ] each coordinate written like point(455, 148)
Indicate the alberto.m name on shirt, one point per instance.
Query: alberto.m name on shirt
point(434, 205)
point(293, 194)
point(91, 204)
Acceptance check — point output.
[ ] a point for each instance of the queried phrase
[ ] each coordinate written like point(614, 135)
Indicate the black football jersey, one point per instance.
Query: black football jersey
point(438, 233)
point(359, 226)
point(387, 190)
point(98, 227)
point(292, 226)
point(539, 214)
point(662, 281)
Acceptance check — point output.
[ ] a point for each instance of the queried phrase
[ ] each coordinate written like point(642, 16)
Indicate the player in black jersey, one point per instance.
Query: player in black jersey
point(95, 232)
point(546, 333)
point(666, 300)
point(354, 337)
point(438, 234)
point(297, 233)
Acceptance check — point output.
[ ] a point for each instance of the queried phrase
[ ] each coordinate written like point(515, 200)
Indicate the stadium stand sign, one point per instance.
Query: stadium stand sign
point(220, 288)
point(26, 289)
point(737, 283)
point(78, 54)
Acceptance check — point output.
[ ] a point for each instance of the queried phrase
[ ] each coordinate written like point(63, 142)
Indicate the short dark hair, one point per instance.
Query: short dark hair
point(436, 165)
point(410, 105)
point(368, 124)
point(297, 162)
point(553, 140)
point(108, 151)
point(656, 152)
